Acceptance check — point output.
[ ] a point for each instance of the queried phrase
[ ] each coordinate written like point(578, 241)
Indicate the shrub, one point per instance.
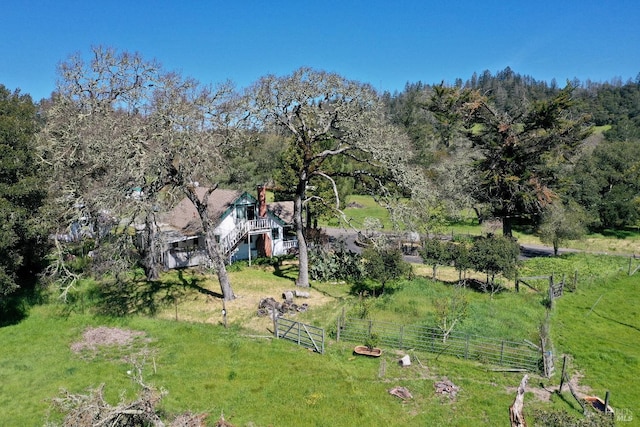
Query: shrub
point(336, 263)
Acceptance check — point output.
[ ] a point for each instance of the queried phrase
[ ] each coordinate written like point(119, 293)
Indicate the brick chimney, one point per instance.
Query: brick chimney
point(262, 201)
point(264, 241)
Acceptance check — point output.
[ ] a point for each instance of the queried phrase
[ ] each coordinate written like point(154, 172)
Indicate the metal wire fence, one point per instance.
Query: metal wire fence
point(490, 351)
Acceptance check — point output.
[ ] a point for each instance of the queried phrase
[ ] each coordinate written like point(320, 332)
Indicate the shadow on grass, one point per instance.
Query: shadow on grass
point(14, 308)
point(619, 234)
point(374, 289)
point(288, 271)
point(476, 285)
point(193, 284)
point(570, 401)
point(120, 298)
point(616, 321)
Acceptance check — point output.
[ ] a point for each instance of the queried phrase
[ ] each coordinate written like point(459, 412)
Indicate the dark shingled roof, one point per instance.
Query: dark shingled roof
point(283, 210)
point(184, 216)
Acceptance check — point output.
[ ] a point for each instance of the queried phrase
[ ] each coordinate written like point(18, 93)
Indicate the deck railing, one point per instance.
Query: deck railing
point(255, 226)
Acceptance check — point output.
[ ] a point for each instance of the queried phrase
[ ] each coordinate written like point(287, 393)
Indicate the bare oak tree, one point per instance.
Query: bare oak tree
point(125, 138)
point(325, 116)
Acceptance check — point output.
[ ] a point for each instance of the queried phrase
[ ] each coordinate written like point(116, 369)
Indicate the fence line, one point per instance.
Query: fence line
point(492, 351)
point(304, 335)
point(632, 270)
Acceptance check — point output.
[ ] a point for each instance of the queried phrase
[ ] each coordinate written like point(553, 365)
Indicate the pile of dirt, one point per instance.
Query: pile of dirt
point(95, 338)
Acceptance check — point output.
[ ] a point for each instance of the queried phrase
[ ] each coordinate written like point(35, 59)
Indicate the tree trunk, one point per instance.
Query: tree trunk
point(151, 249)
point(478, 215)
point(303, 255)
point(507, 226)
point(213, 250)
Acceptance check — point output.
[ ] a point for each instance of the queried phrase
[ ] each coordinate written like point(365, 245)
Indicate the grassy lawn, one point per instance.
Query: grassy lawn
point(598, 327)
point(255, 380)
point(360, 208)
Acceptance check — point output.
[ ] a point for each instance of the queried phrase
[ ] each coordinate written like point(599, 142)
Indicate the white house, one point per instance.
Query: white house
point(245, 227)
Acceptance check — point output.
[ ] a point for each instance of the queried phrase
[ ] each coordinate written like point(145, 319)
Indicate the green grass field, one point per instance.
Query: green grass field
point(598, 327)
point(254, 380)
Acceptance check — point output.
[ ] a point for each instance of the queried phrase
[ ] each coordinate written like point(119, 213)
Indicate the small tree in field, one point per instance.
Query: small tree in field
point(434, 252)
point(450, 311)
point(384, 264)
point(495, 255)
point(459, 253)
point(561, 223)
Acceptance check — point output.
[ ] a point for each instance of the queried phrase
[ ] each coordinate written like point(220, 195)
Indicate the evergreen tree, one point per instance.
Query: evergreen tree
point(22, 241)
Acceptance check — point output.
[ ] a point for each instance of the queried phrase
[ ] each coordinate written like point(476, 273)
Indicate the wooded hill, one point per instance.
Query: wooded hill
point(601, 175)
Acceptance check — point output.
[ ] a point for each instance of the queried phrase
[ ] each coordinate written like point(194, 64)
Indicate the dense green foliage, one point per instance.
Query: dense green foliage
point(384, 264)
point(337, 263)
point(21, 195)
point(607, 184)
point(526, 176)
point(490, 254)
point(435, 252)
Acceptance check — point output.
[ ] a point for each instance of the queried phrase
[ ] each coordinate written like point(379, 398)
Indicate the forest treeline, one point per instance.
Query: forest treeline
point(554, 159)
point(602, 175)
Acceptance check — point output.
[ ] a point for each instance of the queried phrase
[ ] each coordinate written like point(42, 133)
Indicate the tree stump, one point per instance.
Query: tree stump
point(515, 410)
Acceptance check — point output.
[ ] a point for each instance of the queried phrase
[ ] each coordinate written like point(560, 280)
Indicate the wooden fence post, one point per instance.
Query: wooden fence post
point(275, 321)
point(338, 331)
point(466, 348)
point(224, 313)
point(564, 366)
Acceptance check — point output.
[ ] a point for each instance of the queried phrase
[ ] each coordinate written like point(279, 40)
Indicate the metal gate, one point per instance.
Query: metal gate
point(304, 335)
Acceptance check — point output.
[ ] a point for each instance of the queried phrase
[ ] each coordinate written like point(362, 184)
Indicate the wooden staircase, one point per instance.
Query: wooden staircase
point(257, 226)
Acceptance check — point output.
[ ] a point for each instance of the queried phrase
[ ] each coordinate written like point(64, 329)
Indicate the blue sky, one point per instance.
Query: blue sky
point(384, 43)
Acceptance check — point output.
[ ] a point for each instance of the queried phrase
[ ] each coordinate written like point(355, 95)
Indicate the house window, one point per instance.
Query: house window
point(245, 212)
point(275, 233)
point(241, 212)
